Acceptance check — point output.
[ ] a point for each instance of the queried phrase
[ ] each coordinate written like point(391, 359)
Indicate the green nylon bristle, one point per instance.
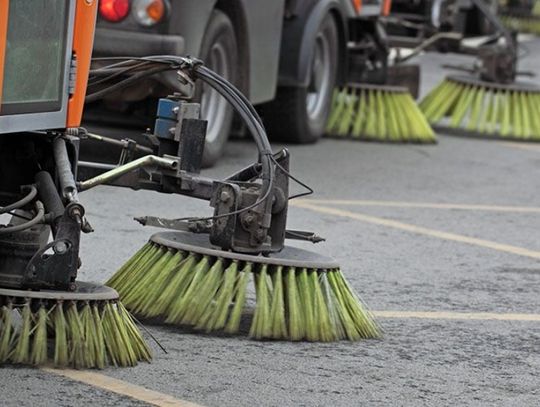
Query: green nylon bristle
point(133, 335)
point(21, 353)
point(291, 303)
point(261, 325)
point(117, 338)
point(199, 309)
point(179, 281)
point(77, 342)
point(240, 291)
point(179, 306)
point(124, 273)
point(522, 24)
point(93, 334)
point(219, 309)
point(141, 301)
point(277, 308)
point(296, 315)
point(133, 277)
point(83, 334)
point(476, 109)
point(6, 332)
point(132, 297)
point(378, 115)
point(305, 294)
point(39, 344)
point(61, 343)
point(326, 331)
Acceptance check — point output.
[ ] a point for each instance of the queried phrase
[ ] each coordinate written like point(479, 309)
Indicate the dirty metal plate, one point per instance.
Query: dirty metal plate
point(470, 80)
point(288, 257)
point(374, 87)
point(84, 292)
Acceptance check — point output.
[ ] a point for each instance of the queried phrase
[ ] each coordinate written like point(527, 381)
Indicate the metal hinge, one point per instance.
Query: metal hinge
point(72, 75)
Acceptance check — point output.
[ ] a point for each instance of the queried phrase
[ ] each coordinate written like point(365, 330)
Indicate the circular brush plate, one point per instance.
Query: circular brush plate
point(510, 87)
point(84, 292)
point(384, 88)
point(288, 257)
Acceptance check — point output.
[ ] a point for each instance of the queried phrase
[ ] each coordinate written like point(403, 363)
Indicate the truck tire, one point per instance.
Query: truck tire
point(219, 51)
point(299, 114)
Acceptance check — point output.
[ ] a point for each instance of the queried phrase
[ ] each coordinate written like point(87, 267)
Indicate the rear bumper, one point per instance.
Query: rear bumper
point(109, 42)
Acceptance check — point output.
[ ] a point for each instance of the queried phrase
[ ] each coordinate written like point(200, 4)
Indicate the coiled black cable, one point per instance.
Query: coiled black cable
point(139, 68)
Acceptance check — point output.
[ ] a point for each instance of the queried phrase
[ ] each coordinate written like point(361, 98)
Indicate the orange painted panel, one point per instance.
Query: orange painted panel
point(386, 7)
point(4, 9)
point(83, 40)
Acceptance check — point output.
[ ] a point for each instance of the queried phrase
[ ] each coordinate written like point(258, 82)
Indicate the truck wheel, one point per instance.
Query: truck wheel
point(299, 114)
point(219, 51)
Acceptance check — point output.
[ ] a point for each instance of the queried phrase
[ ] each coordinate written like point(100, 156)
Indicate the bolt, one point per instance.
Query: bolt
point(225, 196)
point(60, 248)
point(261, 234)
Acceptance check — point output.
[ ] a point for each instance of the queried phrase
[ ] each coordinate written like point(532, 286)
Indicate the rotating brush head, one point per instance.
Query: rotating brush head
point(178, 278)
point(467, 106)
point(523, 24)
point(88, 328)
point(378, 113)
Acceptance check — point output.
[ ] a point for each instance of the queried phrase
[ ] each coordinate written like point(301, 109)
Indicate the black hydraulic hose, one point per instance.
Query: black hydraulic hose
point(48, 194)
point(125, 83)
point(21, 202)
point(256, 128)
point(198, 71)
point(112, 75)
point(40, 215)
point(65, 172)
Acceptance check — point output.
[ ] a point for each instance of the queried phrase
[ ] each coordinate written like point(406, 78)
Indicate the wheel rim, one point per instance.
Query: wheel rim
point(213, 106)
point(320, 77)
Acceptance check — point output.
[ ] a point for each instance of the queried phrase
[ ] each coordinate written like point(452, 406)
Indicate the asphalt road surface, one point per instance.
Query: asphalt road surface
point(441, 241)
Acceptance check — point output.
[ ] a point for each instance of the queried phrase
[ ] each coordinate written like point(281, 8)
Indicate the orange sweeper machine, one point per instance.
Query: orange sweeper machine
point(197, 273)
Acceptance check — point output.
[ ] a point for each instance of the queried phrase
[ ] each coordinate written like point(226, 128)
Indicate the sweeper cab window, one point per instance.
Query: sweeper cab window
point(35, 57)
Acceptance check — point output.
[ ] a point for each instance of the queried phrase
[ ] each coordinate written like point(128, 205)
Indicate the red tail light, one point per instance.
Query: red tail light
point(114, 10)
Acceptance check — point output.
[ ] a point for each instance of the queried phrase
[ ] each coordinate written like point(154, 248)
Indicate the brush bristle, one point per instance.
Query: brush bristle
point(481, 110)
point(209, 294)
point(378, 115)
point(522, 24)
point(86, 334)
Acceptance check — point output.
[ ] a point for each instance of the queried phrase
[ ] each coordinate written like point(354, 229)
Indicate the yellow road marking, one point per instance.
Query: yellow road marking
point(520, 251)
point(523, 146)
point(485, 316)
point(121, 387)
point(423, 205)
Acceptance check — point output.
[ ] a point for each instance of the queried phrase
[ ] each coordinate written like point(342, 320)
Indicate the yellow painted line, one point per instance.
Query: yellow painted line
point(520, 251)
point(482, 316)
point(523, 146)
point(423, 205)
point(121, 387)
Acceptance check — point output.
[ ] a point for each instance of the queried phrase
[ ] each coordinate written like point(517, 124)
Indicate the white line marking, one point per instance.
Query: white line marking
point(520, 251)
point(121, 387)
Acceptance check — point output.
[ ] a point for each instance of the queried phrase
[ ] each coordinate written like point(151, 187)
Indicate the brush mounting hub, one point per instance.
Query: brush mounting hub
point(520, 86)
point(83, 292)
point(289, 257)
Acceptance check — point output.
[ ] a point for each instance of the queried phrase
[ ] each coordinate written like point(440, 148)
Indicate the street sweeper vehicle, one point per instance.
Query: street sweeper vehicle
point(488, 98)
point(287, 56)
point(521, 15)
point(197, 273)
